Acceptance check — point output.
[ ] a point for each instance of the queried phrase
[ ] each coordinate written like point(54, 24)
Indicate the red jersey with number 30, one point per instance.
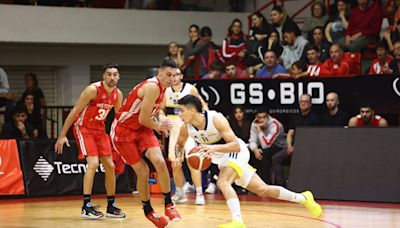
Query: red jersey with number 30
point(128, 114)
point(96, 112)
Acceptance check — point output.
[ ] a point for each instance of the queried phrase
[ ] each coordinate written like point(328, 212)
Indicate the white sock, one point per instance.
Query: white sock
point(199, 190)
point(179, 191)
point(234, 207)
point(287, 195)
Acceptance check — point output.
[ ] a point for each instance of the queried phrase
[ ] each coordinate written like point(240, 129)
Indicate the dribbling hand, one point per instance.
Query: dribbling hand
point(58, 147)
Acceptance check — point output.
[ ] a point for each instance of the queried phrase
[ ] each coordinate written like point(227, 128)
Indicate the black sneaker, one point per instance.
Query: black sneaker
point(90, 212)
point(114, 212)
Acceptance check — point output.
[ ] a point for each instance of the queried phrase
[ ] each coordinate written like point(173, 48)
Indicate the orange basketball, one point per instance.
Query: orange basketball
point(198, 160)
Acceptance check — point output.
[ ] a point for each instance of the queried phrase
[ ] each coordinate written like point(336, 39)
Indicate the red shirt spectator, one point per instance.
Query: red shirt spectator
point(233, 72)
point(336, 64)
point(234, 45)
point(381, 64)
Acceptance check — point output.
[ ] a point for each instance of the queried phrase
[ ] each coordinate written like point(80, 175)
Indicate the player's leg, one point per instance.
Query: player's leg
point(155, 156)
point(306, 199)
point(110, 183)
point(227, 176)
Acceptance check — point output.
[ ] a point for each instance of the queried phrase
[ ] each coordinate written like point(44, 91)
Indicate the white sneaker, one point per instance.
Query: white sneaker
point(179, 199)
point(211, 189)
point(188, 187)
point(200, 199)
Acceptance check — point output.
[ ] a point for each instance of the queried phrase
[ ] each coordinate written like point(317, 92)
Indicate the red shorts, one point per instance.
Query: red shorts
point(91, 142)
point(130, 144)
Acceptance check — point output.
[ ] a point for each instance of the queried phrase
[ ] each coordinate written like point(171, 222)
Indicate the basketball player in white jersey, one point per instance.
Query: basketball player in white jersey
point(212, 131)
point(169, 108)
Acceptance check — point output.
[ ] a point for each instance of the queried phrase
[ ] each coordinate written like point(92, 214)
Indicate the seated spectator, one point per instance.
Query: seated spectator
point(318, 18)
point(318, 39)
point(335, 65)
point(34, 116)
point(267, 140)
point(234, 72)
point(215, 71)
point(273, 44)
point(282, 22)
point(234, 45)
point(380, 65)
point(240, 124)
point(6, 98)
point(392, 35)
point(367, 118)
point(314, 64)
point(364, 26)
point(334, 115)
point(259, 32)
point(298, 70)
point(32, 86)
point(338, 22)
point(175, 53)
point(271, 66)
point(395, 64)
point(293, 48)
point(18, 128)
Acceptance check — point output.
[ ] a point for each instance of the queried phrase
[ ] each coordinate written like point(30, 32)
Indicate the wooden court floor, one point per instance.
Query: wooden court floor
point(257, 212)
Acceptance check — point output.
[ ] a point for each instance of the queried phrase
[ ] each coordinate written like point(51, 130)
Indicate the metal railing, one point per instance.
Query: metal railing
point(54, 117)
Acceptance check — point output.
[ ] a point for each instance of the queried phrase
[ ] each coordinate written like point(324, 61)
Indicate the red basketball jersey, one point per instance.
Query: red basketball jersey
point(95, 113)
point(128, 115)
point(374, 122)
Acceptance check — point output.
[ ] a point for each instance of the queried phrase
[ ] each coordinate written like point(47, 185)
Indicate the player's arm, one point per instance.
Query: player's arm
point(118, 105)
point(180, 144)
point(231, 145)
point(353, 122)
point(86, 96)
point(196, 93)
point(290, 140)
point(149, 94)
point(161, 113)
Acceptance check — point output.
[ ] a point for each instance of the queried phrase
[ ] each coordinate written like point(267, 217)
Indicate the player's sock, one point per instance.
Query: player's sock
point(167, 198)
point(199, 190)
point(110, 201)
point(86, 199)
point(287, 195)
point(234, 207)
point(147, 207)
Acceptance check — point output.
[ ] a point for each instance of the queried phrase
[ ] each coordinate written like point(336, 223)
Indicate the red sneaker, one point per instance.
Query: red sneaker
point(158, 220)
point(172, 213)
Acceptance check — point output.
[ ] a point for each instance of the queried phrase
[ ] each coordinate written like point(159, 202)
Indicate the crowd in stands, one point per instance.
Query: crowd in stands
point(23, 118)
point(326, 45)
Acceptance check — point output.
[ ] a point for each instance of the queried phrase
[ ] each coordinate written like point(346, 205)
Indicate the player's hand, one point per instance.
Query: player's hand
point(290, 150)
point(165, 125)
point(208, 150)
point(258, 154)
point(58, 147)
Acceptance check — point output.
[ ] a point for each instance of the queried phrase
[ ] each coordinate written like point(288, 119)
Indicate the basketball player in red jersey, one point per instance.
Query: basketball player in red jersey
point(133, 137)
point(367, 118)
point(88, 116)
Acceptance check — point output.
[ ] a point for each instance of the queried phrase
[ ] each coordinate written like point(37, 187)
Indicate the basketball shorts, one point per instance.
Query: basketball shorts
point(91, 142)
point(239, 162)
point(173, 138)
point(131, 144)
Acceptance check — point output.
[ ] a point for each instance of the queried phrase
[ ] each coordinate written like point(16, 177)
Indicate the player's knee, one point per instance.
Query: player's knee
point(93, 165)
point(109, 166)
point(159, 163)
point(223, 184)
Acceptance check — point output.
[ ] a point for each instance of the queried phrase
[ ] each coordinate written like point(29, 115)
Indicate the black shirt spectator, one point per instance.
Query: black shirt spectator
point(334, 115)
point(18, 128)
point(239, 124)
point(32, 86)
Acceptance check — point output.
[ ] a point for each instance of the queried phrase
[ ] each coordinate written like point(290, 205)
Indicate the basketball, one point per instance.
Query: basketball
point(198, 160)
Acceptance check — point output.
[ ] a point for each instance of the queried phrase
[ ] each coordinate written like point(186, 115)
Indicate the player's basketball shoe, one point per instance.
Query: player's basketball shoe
point(233, 224)
point(90, 212)
point(114, 212)
point(313, 207)
point(179, 198)
point(200, 199)
point(158, 220)
point(172, 213)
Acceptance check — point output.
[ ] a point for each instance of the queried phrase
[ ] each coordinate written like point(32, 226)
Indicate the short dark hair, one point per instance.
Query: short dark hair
point(311, 46)
point(278, 9)
point(34, 78)
point(367, 104)
point(230, 63)
point(205, 32)
point(194, 26)
point(19, 108)
point(190, 100)
point(109, 66)
point(168, 63)
point(300, 64)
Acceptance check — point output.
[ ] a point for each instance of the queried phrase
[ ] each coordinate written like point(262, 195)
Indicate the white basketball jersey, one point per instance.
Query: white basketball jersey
point(210, 135)
point(172, 97)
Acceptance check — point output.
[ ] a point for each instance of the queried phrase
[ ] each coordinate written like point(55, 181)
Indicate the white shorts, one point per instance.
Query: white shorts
point(173, 138)
point(239, 162)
